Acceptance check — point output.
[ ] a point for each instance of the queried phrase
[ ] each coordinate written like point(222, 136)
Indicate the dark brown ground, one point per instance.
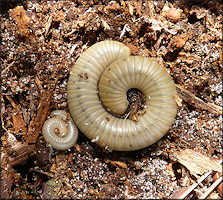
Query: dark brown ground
point(41, 42)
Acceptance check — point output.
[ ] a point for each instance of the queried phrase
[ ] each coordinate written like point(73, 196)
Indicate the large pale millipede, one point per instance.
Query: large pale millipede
point(97, 97)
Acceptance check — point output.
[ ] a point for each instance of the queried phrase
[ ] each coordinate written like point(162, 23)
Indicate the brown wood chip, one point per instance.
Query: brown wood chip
point(20, 153)
point(37, 124)
point(17, 117)
point(18, 122)
point(195, 162)
point(117, 163)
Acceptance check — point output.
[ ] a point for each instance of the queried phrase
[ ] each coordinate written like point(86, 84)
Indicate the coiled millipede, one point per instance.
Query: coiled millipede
point(58, 133)
point(97, 97)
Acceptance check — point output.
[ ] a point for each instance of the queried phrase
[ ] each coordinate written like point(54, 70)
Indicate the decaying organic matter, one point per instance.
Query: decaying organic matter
point(41, 41)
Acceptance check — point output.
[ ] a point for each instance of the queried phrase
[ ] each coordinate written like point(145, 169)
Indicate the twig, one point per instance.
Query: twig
point(42, 172)
point(191, 188)
point(123, 31)
point(127, 115)
point(38, 83)
point(191, 99)
point(211, 188)
point(14, 105)
point(3, 71)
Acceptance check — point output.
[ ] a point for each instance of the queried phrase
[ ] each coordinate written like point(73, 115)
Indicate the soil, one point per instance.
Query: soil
point(41, 40)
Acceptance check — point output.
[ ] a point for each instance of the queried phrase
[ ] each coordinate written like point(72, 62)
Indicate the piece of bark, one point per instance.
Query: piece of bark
point(219, 188)
point(37, 124)
point(18, 122)
point(191, 99)
point(195, 162)
point(17, 117)
point(20, 153)
point(17, 152)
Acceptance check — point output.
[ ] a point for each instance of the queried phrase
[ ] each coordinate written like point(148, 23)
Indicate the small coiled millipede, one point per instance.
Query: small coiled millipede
point(58, 133)
point(107, 70)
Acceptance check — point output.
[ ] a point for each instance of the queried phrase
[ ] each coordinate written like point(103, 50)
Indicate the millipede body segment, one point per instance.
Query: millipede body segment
point(97, 95)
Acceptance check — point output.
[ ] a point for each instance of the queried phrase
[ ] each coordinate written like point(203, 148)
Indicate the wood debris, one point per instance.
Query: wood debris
point(36, 124)
point(178, 100)
point(177, 42)
point(117, 163)
point(188, 58)
point(5, 70)
point(17, 152)
point(211, 188)
point(22, 20)
point(20, 153)
point(178, 193)
point(184, 192)
point(195, 162)
point(49, 22)
point(17, 117)
point(216, 176)
point(191, 99)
